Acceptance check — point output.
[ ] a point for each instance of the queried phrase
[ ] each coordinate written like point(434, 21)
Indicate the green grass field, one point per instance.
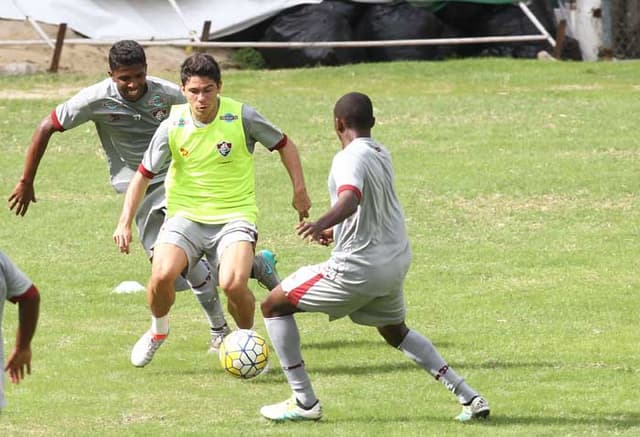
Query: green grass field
point(520, 185)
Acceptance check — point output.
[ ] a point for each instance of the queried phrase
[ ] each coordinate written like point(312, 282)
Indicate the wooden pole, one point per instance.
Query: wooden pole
point(57, 51)
point(206, 30)
point(560, 34)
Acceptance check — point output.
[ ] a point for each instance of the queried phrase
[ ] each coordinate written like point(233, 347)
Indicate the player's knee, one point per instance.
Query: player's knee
point(267, 309)
point(162, 277)
point(394, 334)
point(276, 304)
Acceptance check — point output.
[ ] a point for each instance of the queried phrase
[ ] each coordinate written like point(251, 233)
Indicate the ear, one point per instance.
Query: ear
point(339, 124)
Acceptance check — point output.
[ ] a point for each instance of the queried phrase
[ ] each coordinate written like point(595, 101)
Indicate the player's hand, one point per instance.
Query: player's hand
point(302, 204)
point(309, 230)
point(23, 194)
point(122, 237)
point(19, 362)
point(326, 237)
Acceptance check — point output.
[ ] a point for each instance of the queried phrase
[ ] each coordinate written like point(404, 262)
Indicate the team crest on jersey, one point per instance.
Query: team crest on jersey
point(184, 152)
point(157, 101)
point(224, 148)
point(160, 113)
point(228, 117)
point(180, 123)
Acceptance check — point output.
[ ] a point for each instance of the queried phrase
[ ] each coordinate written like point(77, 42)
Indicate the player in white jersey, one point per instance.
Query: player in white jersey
point(15, 287)
point(364, 276)
point(126, 109)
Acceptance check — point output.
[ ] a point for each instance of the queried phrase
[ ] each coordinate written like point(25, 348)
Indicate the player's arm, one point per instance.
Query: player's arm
point(154, 158)
point(24, 193)
point(19, 360)
point(291, 161)
point(260, 129)
point(321, 229)
point(133, 198)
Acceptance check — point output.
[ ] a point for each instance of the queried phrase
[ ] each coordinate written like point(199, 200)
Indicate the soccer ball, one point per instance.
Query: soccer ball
point(244, 354)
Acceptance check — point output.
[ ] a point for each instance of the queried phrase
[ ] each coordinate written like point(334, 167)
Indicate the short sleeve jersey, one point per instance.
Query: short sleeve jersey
point(13, 283)
point(255, 128)
point(376, 232)
point(125, 128)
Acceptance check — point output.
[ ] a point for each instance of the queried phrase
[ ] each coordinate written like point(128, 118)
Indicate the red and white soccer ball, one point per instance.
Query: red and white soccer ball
point(244, 354)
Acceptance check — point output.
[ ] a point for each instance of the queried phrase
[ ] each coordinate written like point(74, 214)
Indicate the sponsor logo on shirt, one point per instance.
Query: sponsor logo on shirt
point(157, 101)
point(224, 148)
point(228, 117)
point(184, 152)
point(111, 104)
point(137, 117)
point(160, 113)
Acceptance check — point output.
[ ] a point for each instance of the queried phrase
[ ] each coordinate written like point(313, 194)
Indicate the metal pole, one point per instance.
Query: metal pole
point(297, 44)
point(192, 33)
point(536, 23)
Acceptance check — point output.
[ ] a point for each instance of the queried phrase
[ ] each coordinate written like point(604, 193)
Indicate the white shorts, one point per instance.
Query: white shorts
point(198, 239)
point(326, 289)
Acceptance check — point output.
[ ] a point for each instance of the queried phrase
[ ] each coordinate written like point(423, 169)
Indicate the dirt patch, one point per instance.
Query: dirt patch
point(80, 58)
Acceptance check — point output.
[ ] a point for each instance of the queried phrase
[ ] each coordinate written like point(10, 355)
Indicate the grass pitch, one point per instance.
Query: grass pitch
point(520, 185)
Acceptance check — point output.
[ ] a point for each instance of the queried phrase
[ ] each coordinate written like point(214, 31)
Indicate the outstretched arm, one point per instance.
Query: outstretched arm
point(135, 193)
point(20, 359)
point(291, 160)
point(320, 230)
point(23, 193)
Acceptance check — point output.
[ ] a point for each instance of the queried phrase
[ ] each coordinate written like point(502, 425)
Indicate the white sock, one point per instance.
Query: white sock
point(203, 284)
point(285, 339)
point(422, 352)
point(160, 325)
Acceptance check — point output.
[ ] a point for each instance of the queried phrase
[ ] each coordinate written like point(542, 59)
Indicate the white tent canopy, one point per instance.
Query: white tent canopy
point(150, 19)
point(147, 19)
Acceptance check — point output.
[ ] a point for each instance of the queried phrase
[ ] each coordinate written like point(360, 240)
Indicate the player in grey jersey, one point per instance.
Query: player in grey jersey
point(126, 109)
point(363, 278)
point(15, 287)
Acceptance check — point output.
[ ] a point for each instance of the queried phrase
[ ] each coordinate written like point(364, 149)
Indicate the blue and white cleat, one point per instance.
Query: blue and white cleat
point(291, 411)
point(264, 269)
point(477, 409)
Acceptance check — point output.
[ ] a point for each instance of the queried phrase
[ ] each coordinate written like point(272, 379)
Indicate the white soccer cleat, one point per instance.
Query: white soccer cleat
point(217, 337)
point(290, 410)
point(477, 409)
point(144, 349)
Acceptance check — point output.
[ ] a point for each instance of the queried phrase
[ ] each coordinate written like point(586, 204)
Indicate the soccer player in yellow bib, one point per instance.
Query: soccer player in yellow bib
point(210, 188)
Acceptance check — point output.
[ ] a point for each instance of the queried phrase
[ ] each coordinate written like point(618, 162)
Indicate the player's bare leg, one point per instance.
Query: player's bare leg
point(235, 266)
point(168, 262)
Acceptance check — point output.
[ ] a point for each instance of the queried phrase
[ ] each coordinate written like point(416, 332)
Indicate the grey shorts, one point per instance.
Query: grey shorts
point(326, 289)
point(150, 216)
point(198, 239)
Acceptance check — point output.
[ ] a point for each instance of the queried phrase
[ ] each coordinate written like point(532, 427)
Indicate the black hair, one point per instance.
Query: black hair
point(126, 53)
point(356, 110)
point(200, 64)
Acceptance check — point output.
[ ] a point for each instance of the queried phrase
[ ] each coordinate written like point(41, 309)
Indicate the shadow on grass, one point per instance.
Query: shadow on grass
point(345, 343)
point(611, 421)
